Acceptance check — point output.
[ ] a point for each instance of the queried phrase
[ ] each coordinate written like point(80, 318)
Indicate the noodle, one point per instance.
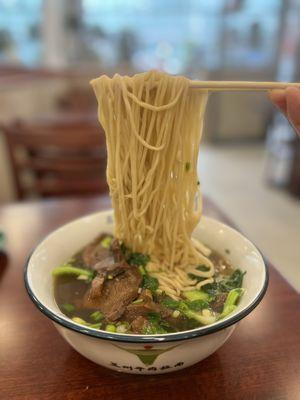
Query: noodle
point(153, 124)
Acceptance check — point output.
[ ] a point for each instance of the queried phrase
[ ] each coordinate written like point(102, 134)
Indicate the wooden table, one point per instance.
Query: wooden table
point(261, 360)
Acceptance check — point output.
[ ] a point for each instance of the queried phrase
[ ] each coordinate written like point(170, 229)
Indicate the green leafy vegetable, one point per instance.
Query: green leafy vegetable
point(155, 324)
point(170, 303)
point(154, 317)
point(230, 304)
point(97, 316)
point(68, 269)
point(150, 283)
point(152, 329)
point(191, 309)
point(194, 305)
point(192, 295)
point(211, 288)
point(234, 281)
point(225, 285)
point(204, 319)
point(197, 305)
point(142, 270)
point(138, 259)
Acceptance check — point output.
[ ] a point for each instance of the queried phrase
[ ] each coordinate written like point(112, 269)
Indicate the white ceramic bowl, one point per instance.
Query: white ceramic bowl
point(141, 354)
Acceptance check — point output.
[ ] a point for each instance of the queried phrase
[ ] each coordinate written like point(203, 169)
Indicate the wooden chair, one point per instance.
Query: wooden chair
point(57, 157)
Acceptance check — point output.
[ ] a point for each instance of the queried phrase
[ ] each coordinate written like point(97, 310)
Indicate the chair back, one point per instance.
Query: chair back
point(58, 157)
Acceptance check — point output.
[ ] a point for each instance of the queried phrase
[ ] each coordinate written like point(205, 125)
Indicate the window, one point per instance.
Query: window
point(20, 31)
point(183, 35)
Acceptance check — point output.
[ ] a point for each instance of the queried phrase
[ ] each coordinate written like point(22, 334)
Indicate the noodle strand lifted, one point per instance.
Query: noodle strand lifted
point(153, 124)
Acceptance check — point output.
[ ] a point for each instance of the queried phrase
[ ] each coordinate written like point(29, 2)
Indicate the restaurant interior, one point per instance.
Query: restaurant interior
point(53, 170)
point(250, 160)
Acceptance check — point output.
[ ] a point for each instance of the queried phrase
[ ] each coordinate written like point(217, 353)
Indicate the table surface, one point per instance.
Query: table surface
point(261, 360)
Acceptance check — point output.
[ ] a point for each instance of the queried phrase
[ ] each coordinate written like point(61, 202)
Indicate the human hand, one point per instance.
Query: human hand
point(288, 101)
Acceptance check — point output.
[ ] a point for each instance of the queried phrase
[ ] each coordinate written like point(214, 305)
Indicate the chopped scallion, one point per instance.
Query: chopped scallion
point(138, 301)
point(97, 316)
point(106, 242)
point(110, 328)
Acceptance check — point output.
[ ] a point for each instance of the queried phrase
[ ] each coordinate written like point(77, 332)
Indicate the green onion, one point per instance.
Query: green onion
point(79, 321)
point(97, 316)
point(138, 301)
point(106, 242)
point(187, 166)
point(95, 326)
point(68, 269)
point(110, 328)
point(83, 322)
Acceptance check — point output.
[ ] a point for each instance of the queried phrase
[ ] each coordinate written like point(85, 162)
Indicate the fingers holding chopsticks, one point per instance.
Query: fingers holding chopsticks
point(288, 101)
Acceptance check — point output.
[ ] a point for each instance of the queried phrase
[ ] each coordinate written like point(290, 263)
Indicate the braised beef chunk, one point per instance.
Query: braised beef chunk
point(96, 287)
point(107, 264)
point(218, 303)
point(95, 252)
point(116, 293)
point(117, 251)
point(143, 305)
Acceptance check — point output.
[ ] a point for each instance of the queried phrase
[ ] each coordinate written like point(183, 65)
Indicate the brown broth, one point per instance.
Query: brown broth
point(69, 292)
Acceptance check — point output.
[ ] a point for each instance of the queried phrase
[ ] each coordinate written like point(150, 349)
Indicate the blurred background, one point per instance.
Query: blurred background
point(49, 138)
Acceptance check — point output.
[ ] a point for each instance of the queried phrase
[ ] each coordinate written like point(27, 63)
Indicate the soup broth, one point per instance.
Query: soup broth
point(106, 286)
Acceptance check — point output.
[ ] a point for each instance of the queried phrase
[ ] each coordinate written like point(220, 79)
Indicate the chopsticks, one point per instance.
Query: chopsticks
point(232, 86)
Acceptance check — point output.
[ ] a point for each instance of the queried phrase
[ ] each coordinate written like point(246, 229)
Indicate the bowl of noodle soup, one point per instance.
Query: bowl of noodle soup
point(138, 353)
point(159, 248)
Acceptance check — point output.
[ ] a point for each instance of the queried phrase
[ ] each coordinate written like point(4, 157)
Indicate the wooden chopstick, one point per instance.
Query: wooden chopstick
point(219, 86)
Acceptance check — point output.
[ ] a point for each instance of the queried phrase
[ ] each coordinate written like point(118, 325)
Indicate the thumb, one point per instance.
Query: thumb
point(293, 107)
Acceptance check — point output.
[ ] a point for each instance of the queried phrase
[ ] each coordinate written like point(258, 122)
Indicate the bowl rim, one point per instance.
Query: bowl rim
point(135, 338)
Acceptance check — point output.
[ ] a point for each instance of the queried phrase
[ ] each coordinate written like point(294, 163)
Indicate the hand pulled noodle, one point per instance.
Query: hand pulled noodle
point(153, 124)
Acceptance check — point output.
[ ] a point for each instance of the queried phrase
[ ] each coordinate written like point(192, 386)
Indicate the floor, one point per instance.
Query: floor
point(234, 177)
